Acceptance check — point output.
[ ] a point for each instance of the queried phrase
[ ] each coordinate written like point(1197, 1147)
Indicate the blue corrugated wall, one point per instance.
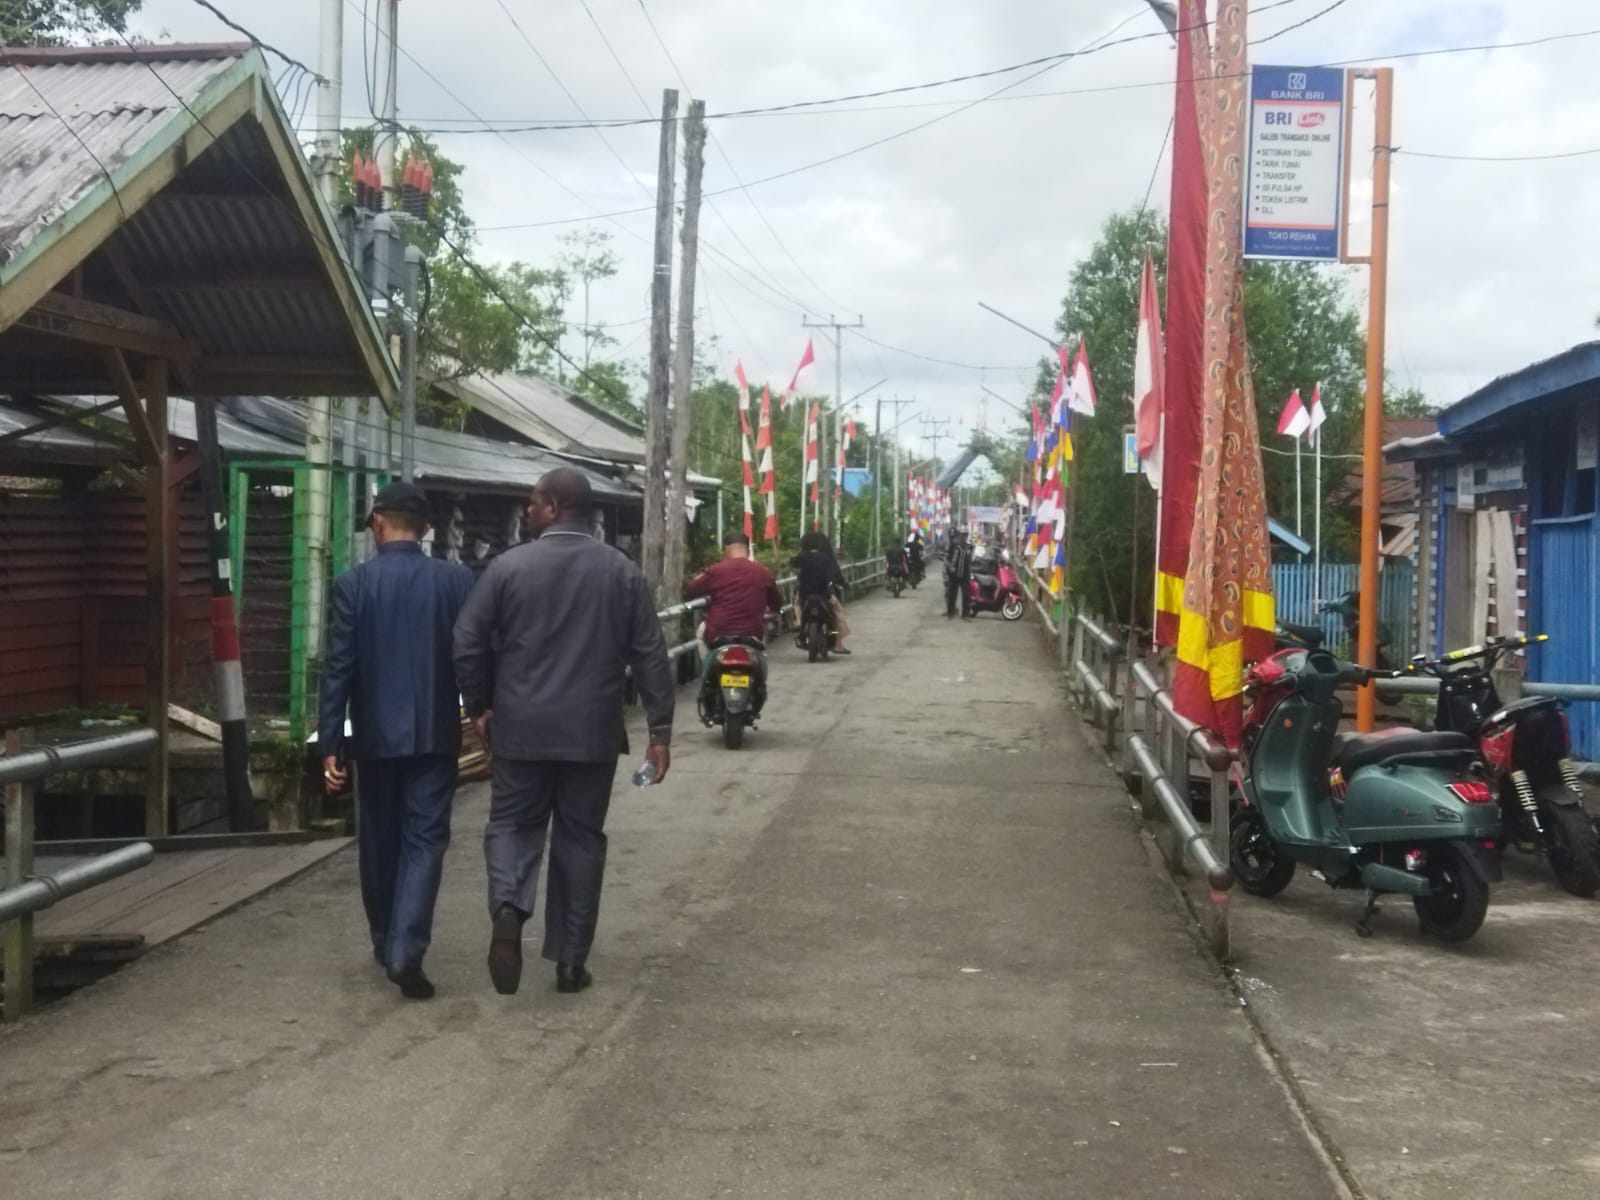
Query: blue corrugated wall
point(1295, 595)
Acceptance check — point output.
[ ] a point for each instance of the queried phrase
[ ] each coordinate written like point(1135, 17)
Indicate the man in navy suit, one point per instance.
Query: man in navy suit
point(388, 659)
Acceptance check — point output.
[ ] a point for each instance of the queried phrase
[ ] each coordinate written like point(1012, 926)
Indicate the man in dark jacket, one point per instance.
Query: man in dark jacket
point(388, 659)
point(541, 651)
point(957, 570)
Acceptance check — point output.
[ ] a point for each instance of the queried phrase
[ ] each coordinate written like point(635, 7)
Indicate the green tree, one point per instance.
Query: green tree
point(61, 22)
point(586, 259)
point(1302, 330)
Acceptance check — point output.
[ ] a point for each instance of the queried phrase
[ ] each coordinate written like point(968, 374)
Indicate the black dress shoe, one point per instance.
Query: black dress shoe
point(413, 984)
point(573, 978)
point(505, 952)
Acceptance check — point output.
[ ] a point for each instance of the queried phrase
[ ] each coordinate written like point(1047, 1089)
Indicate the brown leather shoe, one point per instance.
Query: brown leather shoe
point(505, 952)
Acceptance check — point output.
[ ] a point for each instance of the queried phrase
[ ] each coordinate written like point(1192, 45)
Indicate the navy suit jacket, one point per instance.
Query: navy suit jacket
point(388, 656)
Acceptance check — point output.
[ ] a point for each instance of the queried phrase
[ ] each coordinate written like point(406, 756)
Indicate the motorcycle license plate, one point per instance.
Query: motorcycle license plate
point(736, 681)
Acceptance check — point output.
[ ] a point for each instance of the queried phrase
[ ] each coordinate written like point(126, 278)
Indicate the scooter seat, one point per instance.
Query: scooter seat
point(1352, 751)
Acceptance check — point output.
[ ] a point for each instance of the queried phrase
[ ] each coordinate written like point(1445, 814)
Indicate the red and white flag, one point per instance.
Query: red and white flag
point(806, 360)
point(1318, 413)
point(744, 384)
point(1080, 388)
point(1294, 420)
point(811, 451)
point(1148, 384)
point(764, 442)
point(749, 481)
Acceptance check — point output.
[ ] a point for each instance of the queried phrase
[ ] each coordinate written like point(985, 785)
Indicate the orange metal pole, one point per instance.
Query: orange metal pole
point(1372, 425)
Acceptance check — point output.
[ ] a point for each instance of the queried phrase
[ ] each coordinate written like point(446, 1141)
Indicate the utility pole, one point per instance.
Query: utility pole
point(657, 431)
point(877, 481)
point(838, 415)
point(935, 424)
point(1372, 423)
point(694, 157)
point(383, 139)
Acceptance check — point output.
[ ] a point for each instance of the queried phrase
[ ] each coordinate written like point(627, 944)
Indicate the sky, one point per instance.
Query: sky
point(1494, 264)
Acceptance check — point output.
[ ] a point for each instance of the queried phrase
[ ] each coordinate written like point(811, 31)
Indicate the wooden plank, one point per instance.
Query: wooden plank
point(111, 902)
point(193, 908)
point(1482, 562)
point(1505, 575)
point(204, 726)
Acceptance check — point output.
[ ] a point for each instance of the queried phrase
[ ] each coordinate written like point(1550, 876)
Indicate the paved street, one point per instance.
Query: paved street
point(907, 943)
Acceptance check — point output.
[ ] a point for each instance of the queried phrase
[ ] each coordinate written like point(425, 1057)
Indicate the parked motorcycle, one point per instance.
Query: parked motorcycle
point(1401, 812)
point(735, 688)
point(1526, 747)
point(994, 587)
point(816, 627)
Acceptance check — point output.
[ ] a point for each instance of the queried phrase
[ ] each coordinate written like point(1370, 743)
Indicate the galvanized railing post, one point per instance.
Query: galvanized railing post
point(1220, 816)
point(18, 993)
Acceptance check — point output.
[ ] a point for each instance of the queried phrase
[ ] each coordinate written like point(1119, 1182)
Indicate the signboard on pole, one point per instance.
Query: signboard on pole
point(1294, 174)
point(1131, 464)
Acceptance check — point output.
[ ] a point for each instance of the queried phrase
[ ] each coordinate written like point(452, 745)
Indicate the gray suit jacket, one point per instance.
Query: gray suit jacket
point(544, 641)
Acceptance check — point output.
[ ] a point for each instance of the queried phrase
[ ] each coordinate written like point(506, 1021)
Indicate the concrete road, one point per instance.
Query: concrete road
point(906, 944)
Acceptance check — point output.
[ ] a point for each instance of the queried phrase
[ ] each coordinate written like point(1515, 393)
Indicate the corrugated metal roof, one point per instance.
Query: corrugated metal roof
point(550, 415)
point(112, 106)
point(235, 437)
point(1492, 405)
point(68, 442)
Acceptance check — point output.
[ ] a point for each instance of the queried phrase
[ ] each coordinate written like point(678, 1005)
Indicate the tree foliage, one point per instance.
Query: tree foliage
point(62, 22)
point(1302, 329)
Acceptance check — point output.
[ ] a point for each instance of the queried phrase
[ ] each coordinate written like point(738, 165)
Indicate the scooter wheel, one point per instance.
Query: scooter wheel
point(1013, 608)
point(1572, 846)
point(733, 732)
point(1260, 866)
point(1455, 909)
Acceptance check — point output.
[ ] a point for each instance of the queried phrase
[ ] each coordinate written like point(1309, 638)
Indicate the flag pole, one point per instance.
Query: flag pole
point(1316, 516)
point(1299, 493)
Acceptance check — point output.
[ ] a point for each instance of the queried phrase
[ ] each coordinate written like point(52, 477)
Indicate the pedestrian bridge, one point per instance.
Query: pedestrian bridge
point(913, 941)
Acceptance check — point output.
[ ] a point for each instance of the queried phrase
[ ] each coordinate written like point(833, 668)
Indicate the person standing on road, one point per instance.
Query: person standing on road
point(388, 661)
point(957, 570)
point(541, 650)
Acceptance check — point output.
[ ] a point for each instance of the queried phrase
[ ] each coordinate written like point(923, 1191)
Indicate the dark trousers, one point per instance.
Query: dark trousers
point(405, 828)
point(570, 800)
point(954, 590)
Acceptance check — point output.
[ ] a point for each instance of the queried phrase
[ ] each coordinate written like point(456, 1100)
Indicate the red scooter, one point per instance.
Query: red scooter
point(994, 587)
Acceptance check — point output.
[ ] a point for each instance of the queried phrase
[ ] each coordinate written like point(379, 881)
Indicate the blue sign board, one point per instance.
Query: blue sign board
point(1294, 179)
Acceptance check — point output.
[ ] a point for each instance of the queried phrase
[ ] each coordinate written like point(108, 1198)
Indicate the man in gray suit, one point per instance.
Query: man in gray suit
point(541, 649)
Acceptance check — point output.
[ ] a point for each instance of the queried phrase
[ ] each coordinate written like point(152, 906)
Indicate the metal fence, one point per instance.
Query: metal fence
point(25, 893)
point(1298, 589)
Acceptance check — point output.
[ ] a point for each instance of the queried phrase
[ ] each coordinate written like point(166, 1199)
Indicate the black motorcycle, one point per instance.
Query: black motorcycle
point(1525, 746)
point(895, 574)
point(816, 627)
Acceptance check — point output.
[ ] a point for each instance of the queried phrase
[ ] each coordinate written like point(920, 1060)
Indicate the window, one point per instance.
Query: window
point(1567, 461)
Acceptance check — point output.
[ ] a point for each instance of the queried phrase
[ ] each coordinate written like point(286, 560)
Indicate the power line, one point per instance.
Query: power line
point(254, 40)
point(1298, 24)
point(943, 362)
point(1507, 158)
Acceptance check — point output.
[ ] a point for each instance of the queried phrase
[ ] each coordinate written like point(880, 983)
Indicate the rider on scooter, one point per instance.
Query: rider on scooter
point(817, 573)
point(914, 551)
point(739, 592)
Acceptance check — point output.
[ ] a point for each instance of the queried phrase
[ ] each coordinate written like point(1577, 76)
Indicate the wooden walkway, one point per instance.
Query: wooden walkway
point(180, 890)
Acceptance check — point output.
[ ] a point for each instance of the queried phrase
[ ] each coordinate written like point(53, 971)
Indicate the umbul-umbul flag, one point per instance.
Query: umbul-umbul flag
point(1318, 413)
point(1294, 420)
point(806, 360)
point(1080, 389)
point(1148, 386)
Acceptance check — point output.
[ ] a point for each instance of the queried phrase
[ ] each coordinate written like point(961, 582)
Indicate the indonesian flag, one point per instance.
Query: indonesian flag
point(1227, 614)
point(1318, 414)
point(806, 360)
point(749, 482)
point(764, 443)
point(744, 384)
point(811, 450)
point(1080, 388)
point(1148, 389)
point(1294, 420)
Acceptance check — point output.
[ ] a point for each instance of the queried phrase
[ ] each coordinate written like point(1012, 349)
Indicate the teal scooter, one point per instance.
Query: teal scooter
point(1401, 812)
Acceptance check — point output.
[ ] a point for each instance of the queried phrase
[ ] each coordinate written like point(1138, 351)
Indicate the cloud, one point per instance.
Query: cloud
point(1493, 264)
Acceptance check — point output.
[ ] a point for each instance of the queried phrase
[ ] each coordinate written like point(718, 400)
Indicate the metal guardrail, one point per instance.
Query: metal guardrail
point(25, 894)
point(1427, 685)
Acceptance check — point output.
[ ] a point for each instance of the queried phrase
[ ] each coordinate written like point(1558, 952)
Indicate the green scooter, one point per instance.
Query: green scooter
point(1399, 812)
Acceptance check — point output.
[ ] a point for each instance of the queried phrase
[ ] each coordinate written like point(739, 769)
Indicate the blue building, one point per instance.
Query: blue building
point(1508, 540)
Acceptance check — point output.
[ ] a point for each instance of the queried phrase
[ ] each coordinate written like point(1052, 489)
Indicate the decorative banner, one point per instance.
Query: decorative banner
point(1227, 615)
point(1294, 420)
point(744, 384)
point(1296, 174)
point(768, 474)
point(811, 453)
point(806, 360)
point(1185, 341)
point(744, 446)
point(1080, 389)
point(1148, 383)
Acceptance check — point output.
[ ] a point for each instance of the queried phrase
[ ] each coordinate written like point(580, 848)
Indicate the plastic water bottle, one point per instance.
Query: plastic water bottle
point(645, 775)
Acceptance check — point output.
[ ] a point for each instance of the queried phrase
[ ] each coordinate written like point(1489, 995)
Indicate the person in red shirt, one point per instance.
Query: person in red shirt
point(739, 593)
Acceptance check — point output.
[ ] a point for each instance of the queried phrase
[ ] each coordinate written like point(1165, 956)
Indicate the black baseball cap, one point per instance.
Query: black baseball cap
point(401, 497)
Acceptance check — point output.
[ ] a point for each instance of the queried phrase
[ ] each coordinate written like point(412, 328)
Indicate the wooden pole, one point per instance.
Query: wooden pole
point(657, 429)
point(18, 937)
point(158, 543)
point(1372, 425)
point(694, 156)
